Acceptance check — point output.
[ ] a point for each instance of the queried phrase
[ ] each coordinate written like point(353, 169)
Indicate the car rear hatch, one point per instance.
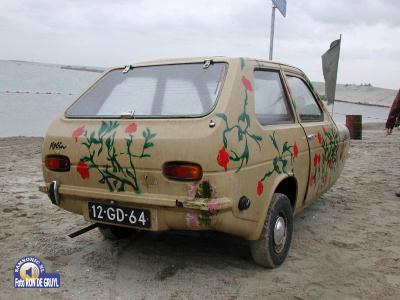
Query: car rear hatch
point(120, 134)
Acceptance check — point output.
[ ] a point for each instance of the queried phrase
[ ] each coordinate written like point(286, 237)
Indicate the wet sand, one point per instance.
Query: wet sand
point(346, 245)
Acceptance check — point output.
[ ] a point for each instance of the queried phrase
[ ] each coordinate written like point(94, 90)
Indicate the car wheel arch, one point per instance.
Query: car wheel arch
point(285, 184)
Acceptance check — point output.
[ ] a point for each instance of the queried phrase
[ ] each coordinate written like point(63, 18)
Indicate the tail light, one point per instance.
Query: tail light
point(57, 163)
point(183, 171)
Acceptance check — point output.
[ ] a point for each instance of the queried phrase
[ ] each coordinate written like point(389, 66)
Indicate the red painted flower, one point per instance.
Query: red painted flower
point(131, 128)
point(83, 170)
point(223, 158)
point(324, 130)
point(78, 132)
point(247, 84)
point(295, 150)
point(311, 180)
point(260, 188)
point(319, 136)
point(316, 160)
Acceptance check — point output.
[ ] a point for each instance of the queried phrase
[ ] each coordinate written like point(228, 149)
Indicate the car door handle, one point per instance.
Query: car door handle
point(311, 136)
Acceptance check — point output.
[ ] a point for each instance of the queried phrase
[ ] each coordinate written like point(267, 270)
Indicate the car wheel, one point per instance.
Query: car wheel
point(111, 232)
point(271, 249)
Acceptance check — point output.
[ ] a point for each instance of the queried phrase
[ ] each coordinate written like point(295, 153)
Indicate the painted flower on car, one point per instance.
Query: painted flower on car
point(295, 150)
point(78, 132)
point(260, 188)
point(131, 128)
point(317, 159)
point(319, 136)
point(247, 84)
point(223, 158)
point(83, 170)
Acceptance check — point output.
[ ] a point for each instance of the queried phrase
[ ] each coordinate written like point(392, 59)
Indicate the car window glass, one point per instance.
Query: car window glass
point(156, 91)
point(304, 101)
point(271, 106)
point(179, 90)
point(132, 88)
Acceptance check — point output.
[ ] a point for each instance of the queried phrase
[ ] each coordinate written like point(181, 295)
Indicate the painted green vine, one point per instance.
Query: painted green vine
point(327, 162)
point(113, 175)
point(243, 131)
point(280, 161)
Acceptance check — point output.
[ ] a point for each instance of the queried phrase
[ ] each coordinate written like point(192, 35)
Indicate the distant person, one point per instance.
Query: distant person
point(394, 114)
point(393, 117)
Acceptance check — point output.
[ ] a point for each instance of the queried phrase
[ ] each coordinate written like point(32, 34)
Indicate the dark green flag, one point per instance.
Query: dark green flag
point(330, 62)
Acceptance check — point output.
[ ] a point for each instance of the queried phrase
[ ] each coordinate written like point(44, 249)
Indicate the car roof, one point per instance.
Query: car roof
point(216, 59)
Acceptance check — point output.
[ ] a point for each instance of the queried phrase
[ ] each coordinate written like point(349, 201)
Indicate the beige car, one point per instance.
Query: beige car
point(227, 144)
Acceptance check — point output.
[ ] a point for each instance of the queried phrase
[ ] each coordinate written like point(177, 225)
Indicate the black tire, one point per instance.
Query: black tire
point(265, 251)
point(111, 232)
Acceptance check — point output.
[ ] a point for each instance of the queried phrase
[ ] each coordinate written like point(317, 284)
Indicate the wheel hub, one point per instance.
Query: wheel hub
point(279, 231)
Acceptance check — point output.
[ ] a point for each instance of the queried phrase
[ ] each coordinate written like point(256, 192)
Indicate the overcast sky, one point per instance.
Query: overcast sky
point(108, 33)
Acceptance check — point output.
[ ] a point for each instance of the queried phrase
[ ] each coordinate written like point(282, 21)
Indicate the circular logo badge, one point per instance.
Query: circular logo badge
point(29, 270)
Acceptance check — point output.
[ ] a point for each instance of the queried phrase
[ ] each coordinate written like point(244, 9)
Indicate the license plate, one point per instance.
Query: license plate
point(120, 215)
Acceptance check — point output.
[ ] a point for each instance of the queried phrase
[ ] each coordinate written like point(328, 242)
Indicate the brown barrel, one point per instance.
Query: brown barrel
point(354, 124)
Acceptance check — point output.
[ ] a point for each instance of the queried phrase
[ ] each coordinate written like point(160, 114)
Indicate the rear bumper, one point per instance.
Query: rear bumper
point(57, 193)
point(167, 212)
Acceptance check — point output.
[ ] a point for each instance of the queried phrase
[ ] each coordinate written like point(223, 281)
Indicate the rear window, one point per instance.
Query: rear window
point(153, 91)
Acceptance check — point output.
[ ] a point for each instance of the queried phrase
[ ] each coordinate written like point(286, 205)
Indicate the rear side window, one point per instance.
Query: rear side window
point(153, 91)
point(304, 100)
point(271, 106)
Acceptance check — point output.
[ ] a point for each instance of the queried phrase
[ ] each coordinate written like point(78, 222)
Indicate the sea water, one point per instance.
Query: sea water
point(34, 94)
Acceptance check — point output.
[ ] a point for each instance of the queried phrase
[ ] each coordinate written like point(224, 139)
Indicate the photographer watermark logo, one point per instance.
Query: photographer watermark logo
point(29, 272)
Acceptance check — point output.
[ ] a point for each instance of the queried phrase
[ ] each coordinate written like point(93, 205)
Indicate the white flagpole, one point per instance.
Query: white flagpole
point(271, 36)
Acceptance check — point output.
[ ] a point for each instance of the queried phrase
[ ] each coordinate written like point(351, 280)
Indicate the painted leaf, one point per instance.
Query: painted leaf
point(242, 117)
point(240, 135)
point(284, 163)
point(103, 128)
point(256, 137)
point(272, 138)
point(276, 167)
point(248, 120)
point(235, 157)
point(225, 141)
point(148, 145)
point(246, 154)
point(222, 116)
point(285, 147)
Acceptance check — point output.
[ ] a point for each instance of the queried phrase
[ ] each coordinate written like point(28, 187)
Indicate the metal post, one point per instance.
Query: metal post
point(271, 36)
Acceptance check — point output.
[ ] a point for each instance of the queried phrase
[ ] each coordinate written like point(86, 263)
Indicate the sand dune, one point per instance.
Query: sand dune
point(361, 94)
